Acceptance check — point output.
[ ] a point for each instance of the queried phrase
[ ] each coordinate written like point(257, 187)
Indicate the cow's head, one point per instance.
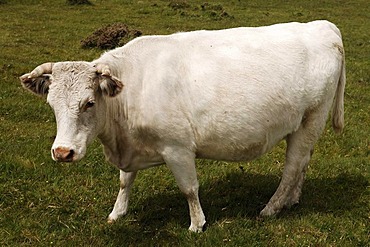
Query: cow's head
point(75, 91)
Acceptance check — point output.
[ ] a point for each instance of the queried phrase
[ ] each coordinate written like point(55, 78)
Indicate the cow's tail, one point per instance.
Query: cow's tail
point(338, 107)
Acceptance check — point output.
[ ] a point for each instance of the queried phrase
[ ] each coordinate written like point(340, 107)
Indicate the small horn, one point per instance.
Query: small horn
point(45, 68)
point(103, 69)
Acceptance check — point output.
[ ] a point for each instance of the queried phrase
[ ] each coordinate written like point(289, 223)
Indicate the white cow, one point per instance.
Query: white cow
point(226, 95)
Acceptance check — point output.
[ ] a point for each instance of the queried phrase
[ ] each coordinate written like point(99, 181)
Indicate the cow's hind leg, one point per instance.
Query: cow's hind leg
point(299, 150)
point(297, 190)
point(182, 164)
point(121, 205)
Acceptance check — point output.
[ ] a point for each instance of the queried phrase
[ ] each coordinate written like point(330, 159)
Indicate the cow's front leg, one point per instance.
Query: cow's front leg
point(121, 205)
point(182, 164)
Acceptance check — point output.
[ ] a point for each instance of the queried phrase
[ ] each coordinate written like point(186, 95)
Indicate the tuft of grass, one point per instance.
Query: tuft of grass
point(47, 203)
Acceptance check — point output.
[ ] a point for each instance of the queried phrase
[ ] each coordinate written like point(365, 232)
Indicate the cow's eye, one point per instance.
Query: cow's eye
point(90, 104)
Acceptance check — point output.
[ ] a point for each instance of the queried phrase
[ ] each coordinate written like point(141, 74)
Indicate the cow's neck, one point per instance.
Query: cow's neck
point(114, 134)
point(123, 144)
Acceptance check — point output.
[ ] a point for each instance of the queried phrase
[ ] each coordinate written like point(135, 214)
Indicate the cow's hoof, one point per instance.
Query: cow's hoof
point(268, 212)
point(110, 220)
point(197, 229)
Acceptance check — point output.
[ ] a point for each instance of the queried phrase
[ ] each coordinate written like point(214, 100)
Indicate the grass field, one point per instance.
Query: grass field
point(43, 203)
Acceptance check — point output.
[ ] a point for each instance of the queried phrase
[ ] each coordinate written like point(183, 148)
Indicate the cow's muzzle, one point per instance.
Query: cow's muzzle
point(63, 154)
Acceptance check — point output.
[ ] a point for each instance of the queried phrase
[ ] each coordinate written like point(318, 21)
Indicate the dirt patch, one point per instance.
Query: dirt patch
point(205, 10)
point(179, 4)
point(110, 36)
point(215, 11)
point(208, 6)
point(79, 2)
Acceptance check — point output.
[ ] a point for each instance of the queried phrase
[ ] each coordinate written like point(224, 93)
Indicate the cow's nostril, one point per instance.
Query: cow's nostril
point(63, 154)
point(70, 155)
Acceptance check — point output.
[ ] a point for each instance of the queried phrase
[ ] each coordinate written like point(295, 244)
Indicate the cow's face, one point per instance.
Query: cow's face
point(75, 91)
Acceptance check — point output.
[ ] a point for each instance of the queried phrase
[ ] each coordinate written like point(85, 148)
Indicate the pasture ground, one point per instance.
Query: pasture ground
point(43, 203)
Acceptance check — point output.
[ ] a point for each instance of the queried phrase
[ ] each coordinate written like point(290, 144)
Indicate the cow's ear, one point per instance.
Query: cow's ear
point(38, 81)
point(109, 84)
point(37, 85)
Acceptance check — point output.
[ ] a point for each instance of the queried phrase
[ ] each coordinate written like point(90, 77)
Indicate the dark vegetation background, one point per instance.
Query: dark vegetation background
point(46, 203)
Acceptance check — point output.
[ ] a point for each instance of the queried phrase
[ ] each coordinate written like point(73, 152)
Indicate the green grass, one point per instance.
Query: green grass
point(46, 203)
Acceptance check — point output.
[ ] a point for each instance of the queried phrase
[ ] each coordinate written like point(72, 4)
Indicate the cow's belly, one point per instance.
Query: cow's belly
point(231, 153)
point(237, 150)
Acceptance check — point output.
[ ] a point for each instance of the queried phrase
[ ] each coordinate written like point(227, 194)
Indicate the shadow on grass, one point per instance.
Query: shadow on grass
point(238, 195)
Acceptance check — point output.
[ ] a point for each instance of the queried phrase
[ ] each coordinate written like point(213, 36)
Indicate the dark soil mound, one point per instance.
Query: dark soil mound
point(110, 36)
